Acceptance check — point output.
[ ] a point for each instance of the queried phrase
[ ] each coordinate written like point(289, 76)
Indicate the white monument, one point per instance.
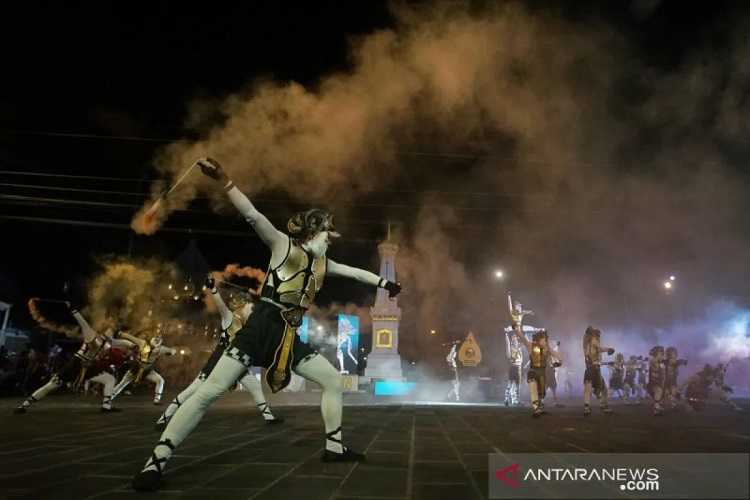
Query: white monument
point(384, 362)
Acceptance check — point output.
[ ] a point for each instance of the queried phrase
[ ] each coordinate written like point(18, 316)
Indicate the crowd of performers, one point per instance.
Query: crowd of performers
point(261, 333)
point(633, 381)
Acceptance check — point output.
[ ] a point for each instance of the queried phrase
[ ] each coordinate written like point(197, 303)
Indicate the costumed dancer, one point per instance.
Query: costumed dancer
point(656, 378)
point(453, 367)
point(514, 352)
point(719, 374)
point(698, 387)
point(550, 375)
point(540, 355)
point(231, 322)
point(297, 269)
point(593, 382)
point(81, 367)
point(671, 374)
point(642, 383)
point(149, 351)
point(631, 370)
point(617, 376)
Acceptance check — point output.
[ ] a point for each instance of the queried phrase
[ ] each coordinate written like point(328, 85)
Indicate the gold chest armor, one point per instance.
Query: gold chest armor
point(538, 356)
point(297, 280)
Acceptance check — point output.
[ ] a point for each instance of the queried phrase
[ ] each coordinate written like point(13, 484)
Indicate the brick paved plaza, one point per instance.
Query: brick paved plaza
point(65, 449)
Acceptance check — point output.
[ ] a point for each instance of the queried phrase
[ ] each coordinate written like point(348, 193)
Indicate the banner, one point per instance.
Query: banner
point(348, 343)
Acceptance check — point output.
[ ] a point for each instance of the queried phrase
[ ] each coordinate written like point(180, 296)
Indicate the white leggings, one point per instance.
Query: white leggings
point(225, 374)
point(104, 378)
point(248, 381)
point(152, 377)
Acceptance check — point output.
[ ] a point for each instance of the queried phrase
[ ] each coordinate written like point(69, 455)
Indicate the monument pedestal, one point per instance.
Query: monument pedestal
point(384, 362)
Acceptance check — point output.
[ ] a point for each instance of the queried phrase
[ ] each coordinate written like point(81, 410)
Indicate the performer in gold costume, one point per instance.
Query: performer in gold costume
point(540, 355)
point(296, 272)
point(231, 322)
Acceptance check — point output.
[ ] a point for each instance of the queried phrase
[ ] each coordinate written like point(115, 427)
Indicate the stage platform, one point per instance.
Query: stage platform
point(65, 449)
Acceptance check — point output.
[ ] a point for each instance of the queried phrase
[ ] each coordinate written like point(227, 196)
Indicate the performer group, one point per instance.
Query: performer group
point(261, 332)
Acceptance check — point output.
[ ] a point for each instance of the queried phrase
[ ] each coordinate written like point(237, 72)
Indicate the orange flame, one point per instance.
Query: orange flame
point(68, 331)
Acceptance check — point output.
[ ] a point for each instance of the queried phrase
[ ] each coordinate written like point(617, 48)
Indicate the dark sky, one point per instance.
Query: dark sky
point(95, 88)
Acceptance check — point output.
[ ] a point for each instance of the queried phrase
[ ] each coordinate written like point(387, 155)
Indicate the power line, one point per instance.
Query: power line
point(168, 229)
point(390, 191)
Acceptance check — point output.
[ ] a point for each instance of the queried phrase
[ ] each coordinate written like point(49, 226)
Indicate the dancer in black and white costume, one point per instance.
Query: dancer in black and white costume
point(149, 351)
point(455, 391)
point(82, 367)
point(514, 352)
point(550, 374)
point(296, 272)
point(593, 382)
point(231, 322)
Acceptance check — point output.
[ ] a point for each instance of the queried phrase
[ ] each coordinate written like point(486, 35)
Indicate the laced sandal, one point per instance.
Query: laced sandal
point(150, 479)
point(346, 456)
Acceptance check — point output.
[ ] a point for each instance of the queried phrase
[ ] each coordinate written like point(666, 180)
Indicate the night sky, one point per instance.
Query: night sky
point(95, 89)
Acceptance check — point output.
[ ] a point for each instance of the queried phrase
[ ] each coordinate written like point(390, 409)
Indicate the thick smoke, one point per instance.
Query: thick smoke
point(596, 174)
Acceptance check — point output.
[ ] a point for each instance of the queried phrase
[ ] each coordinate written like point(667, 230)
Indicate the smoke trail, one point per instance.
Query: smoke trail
point(36, 314)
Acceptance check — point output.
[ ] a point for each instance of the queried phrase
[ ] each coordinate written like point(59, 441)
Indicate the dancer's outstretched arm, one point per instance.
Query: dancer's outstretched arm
point(88, 332)
point(342, 270)
point(274, 239)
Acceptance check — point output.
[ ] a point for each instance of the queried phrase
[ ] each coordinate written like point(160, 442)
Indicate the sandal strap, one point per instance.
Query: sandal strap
point(330, 435)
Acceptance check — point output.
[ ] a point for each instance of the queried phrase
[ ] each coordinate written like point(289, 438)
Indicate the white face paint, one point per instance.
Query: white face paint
point(318, 244)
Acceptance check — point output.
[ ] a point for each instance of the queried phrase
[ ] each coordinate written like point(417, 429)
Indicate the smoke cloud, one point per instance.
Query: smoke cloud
point(590, 174)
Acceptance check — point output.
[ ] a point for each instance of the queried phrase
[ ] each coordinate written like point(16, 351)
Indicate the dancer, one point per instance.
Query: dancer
point(231, 322)
point(296, 272)
point(671, 373)
point(550, 374)
point(540, 355)
point(592, 378)
point(631, 370)
point(453, 367)
point(656, 378)
point(616, 376)
point(642, 384)
point(81, 367)
point(148, 353)
point(514, 353)
point(698, 387)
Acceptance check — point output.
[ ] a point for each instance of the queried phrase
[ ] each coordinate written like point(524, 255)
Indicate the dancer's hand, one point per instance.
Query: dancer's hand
point(67, 303)
point(610, 351)
point(393, 289)
point(212, 169)
point(556, 364)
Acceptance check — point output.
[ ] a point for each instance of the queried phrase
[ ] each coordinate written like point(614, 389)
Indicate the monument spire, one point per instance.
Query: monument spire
point(384, 362)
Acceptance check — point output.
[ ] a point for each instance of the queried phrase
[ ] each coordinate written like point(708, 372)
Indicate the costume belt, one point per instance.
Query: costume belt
point(279, 373)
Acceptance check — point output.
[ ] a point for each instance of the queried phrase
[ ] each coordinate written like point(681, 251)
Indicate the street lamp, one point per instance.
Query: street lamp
point(499, 274)
point(433, 332)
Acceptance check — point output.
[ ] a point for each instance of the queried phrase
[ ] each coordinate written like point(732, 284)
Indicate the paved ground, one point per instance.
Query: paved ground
point(66, 449)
